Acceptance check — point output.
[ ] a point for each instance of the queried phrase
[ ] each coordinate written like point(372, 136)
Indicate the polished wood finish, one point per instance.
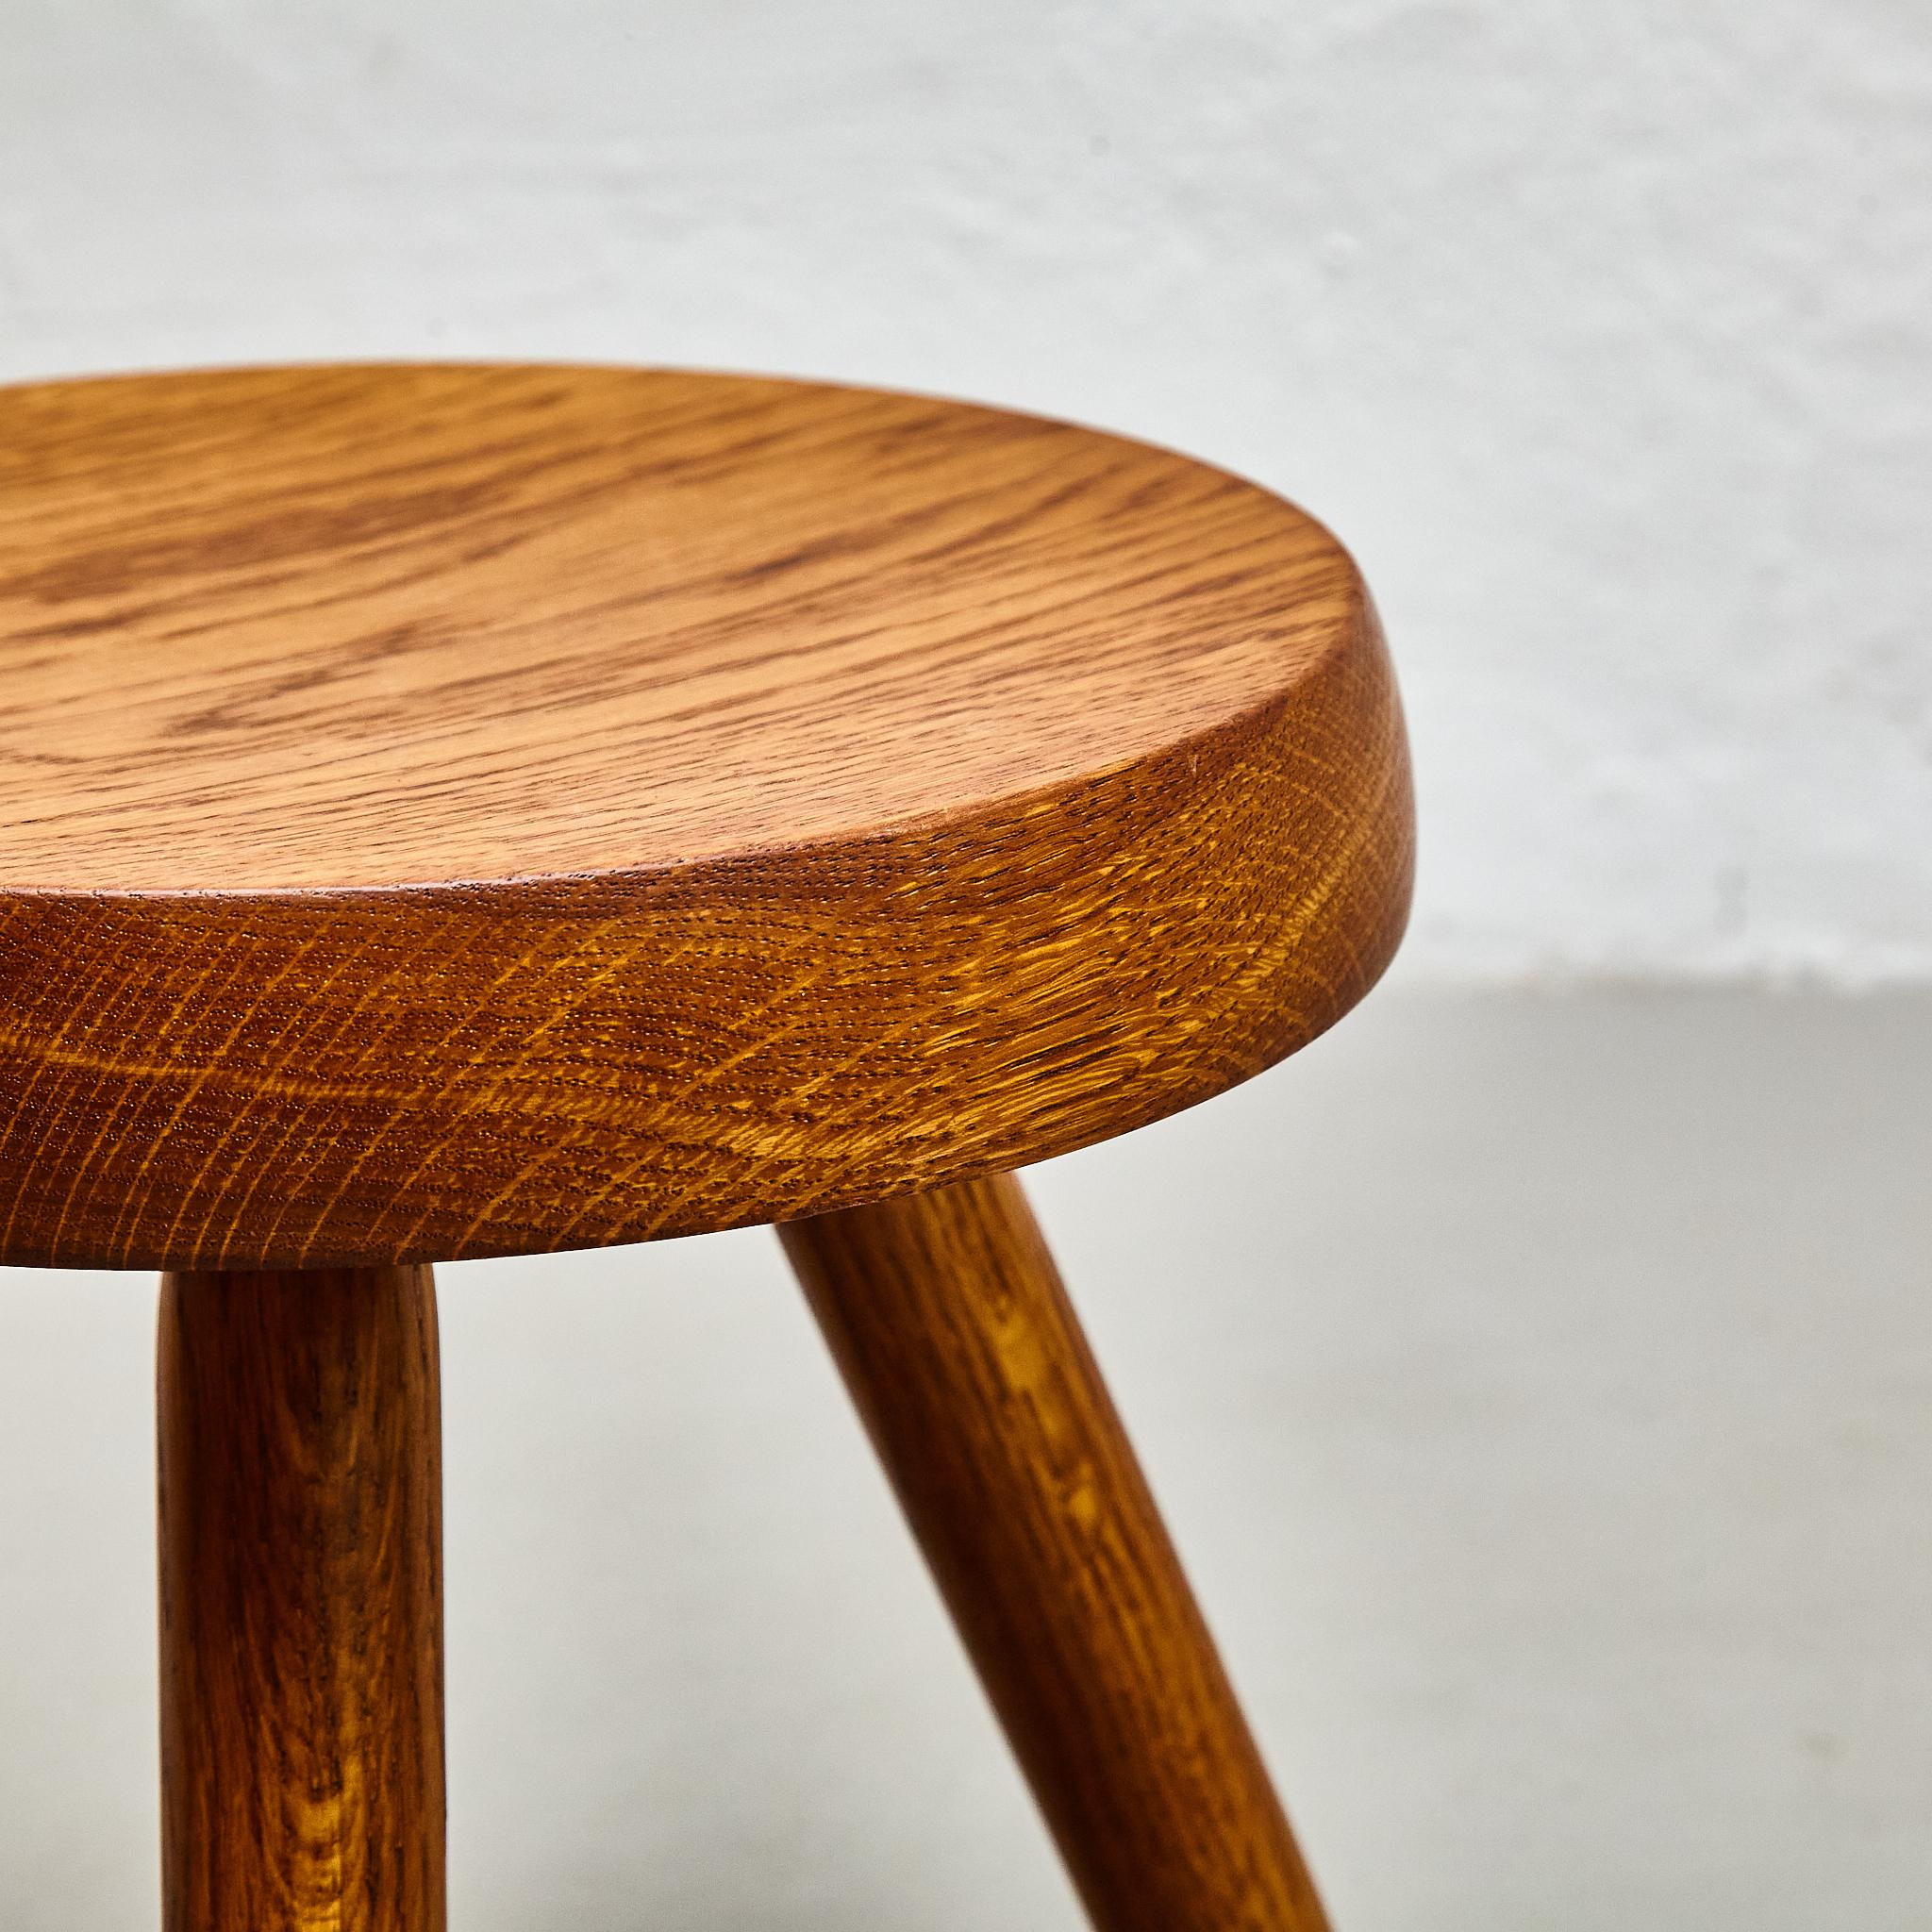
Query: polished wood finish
point(301, 1603)
point(472, 811)
point(459, 811)
point(968, 1364)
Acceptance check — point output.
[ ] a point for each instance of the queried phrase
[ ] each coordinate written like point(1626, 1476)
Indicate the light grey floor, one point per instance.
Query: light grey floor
point(1541, 1390)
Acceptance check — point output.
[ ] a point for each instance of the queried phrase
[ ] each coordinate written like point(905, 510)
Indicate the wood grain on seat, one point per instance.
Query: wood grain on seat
point(459, 810)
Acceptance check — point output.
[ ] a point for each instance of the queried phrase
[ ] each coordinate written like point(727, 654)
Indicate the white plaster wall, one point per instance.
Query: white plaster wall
point(1601, 332)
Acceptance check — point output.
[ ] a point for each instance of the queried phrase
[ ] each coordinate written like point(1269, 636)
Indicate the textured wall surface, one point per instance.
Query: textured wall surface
point(1602, 333)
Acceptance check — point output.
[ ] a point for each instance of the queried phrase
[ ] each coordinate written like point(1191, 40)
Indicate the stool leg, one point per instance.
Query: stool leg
point(969, 1367)
point(301, 1593)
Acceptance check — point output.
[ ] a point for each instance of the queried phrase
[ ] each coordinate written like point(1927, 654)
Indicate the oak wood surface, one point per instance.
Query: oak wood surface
point(301, 1595)
point(968, 1364)
point(460, 811)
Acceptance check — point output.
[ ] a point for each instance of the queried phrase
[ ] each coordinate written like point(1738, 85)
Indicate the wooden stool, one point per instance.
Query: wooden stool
point(461, 811)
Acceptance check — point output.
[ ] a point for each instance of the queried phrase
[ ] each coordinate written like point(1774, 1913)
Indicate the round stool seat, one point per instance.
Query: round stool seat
point(467, 810)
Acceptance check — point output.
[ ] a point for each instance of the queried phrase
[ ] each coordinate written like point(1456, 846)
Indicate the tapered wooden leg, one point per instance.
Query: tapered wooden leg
point(301, 1603)
point(968, 1364)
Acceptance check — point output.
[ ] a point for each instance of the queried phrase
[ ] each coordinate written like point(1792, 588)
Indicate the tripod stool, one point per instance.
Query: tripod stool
point(457, 811)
